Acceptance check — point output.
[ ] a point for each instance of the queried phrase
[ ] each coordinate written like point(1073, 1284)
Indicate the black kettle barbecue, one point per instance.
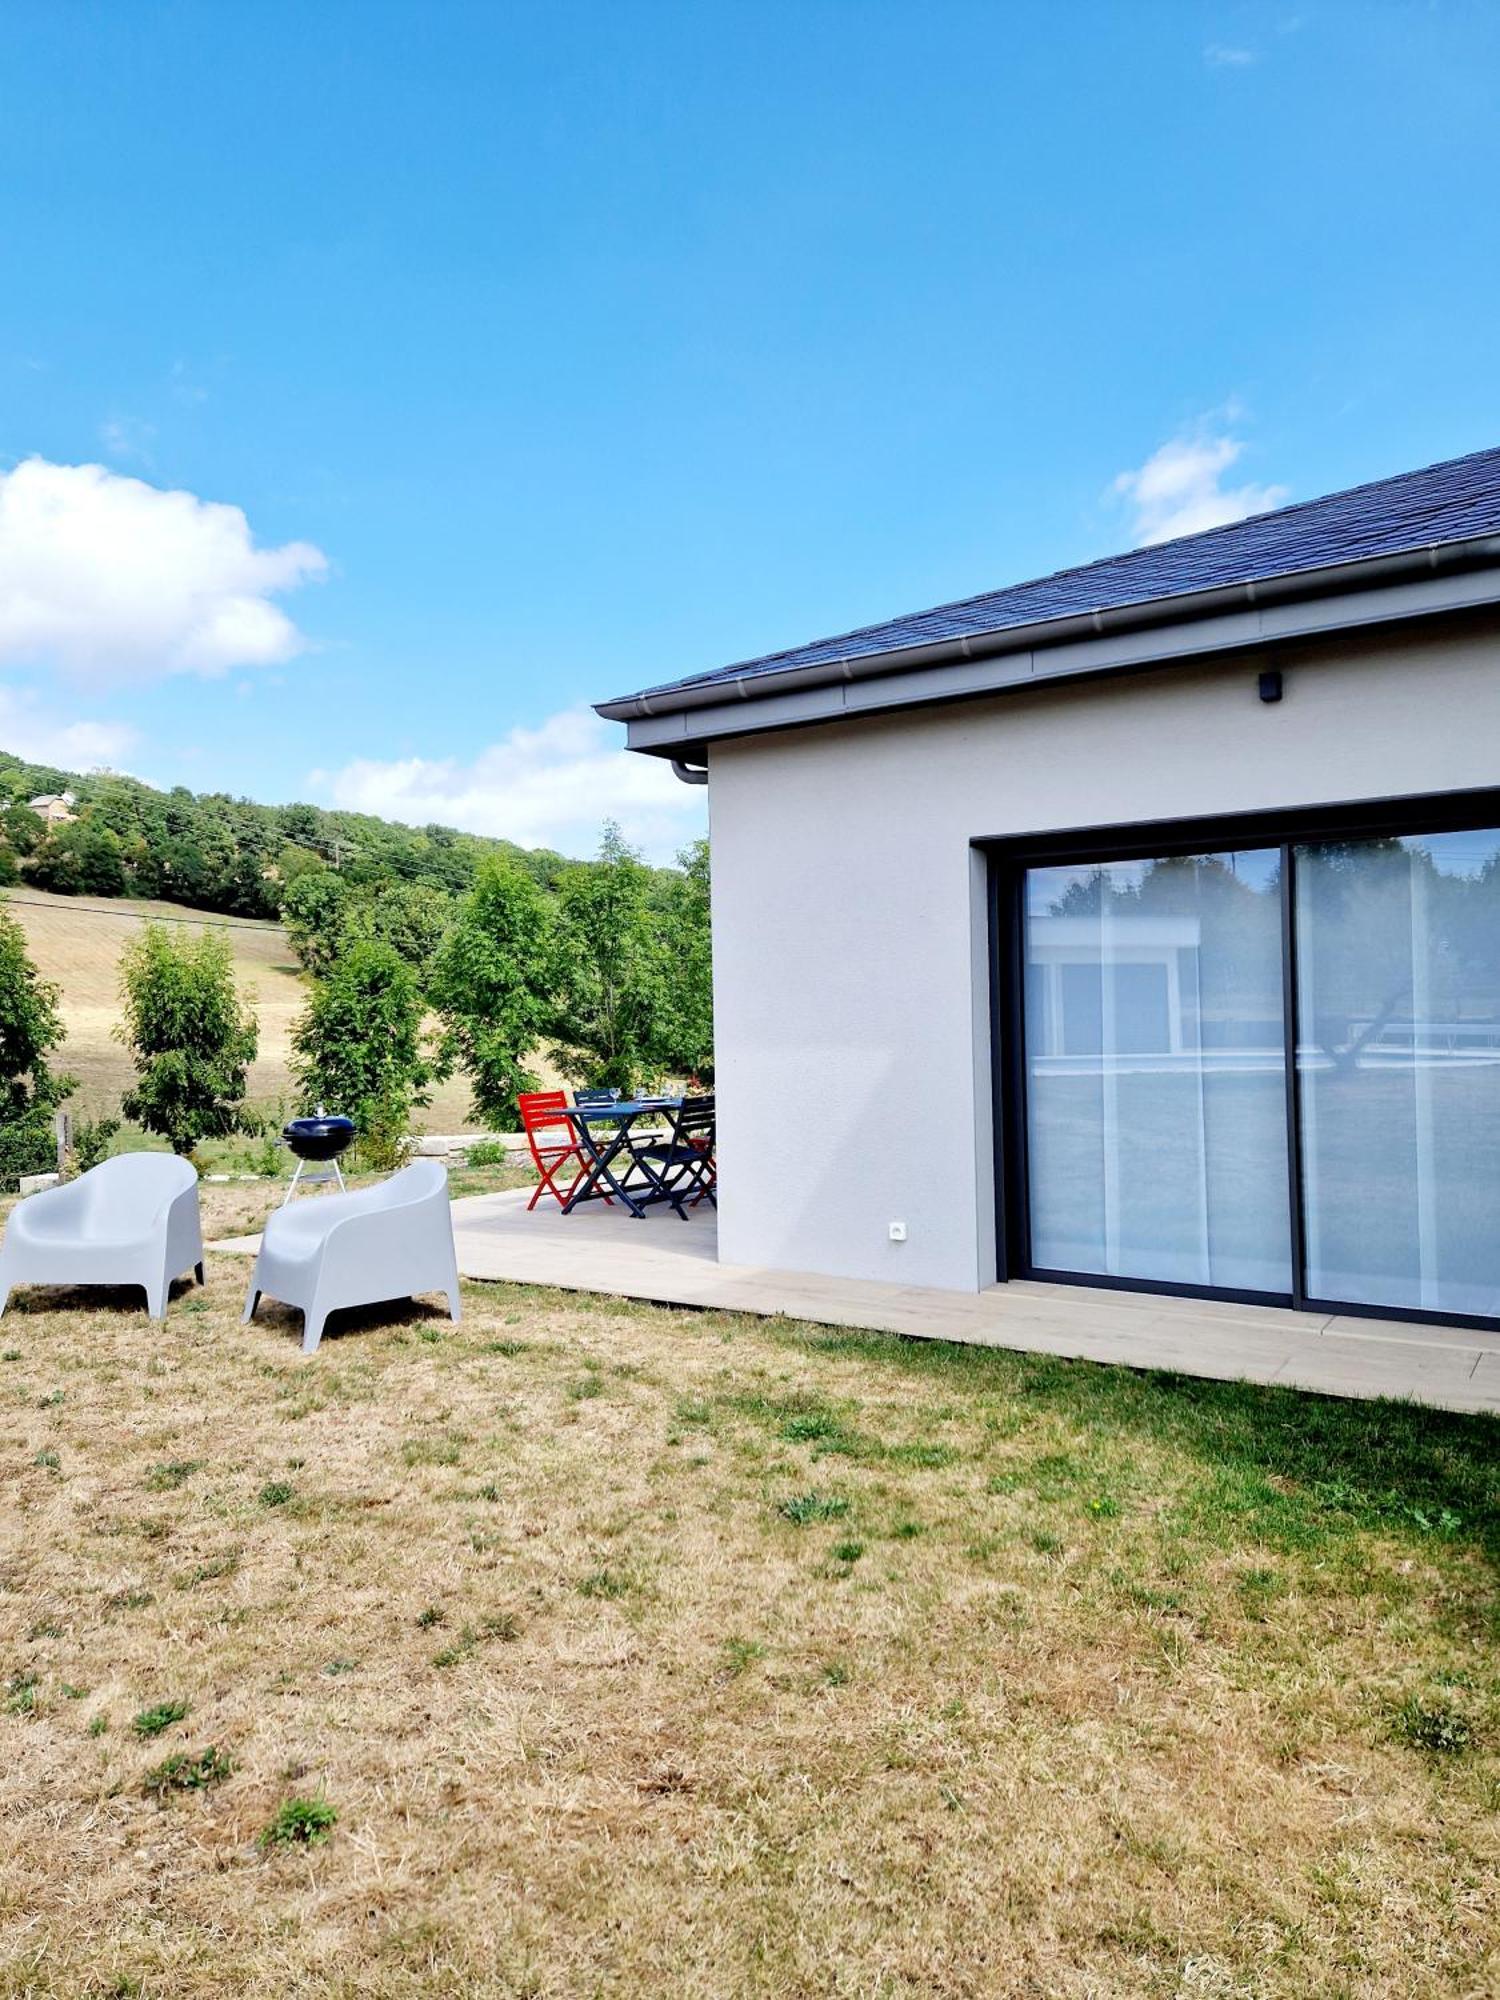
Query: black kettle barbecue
point(317, 1141)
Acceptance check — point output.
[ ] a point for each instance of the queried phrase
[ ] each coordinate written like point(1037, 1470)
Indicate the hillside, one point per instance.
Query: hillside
point(77, 940)
point(121, 838)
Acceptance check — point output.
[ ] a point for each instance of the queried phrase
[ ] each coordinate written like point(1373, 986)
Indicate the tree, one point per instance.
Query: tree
point(357, 1046)
point(411, 917)
point(191, 1035)
point(30, 1029)
point(313, 910)
point(83, 859)
point(609, 969)
point(491, 984)
point(686, 1038)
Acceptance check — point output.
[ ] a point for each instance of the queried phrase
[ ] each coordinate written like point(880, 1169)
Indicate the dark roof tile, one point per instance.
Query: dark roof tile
point(1442, 503)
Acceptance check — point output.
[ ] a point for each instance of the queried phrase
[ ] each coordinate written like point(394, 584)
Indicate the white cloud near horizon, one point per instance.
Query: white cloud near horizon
point(1222, 55)
point(114, 582)
point(28, 731)
point(1180, 489)
point(552, 786)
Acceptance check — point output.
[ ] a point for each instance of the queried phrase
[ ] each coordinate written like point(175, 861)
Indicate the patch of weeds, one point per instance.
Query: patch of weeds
point(848, 1552)
point(1104, 1507)
point(1150, 1598)
point(509, 1348)
point(98, 1724)
point(275, 1493)
point(836, 1674)
point(1055, 1474)
point(187, 1771)
point(49, 1460)
point(604, 1583)
point(299, 1823)
point(431, 1334)
point(129, 1600)
point(71, 1693)
point(691, 1411)
point(445, 1450)
point(1045, 1544)
point(11, 1354)
point(805, 1508)
point(922, 1456)
point(1005, 1482)
point(1435, 1728)
point(1256, 1589)
point(21, 1694)
point(210, 1571)
point(336, 1667)
point(152, 1721)
point(740, 1655)
point(501, 1625)
point(585, 1389)
point(907, 1531)
point(430, 1617)
point(175, 1472)
point(47, 1630)
point(489, 1491)
point(51, 1401)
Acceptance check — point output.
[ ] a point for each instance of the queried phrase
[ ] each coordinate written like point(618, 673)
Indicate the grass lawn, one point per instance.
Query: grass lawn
point(594, 1649)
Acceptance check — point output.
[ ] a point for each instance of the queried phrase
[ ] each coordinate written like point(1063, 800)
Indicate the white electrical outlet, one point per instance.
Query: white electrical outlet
point(898, 1232)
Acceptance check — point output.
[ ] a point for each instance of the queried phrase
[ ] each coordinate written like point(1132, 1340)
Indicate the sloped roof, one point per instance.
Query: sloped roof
point(1447, 503)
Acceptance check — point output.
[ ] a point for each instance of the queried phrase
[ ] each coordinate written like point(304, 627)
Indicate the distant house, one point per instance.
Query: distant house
point(1138, 926)
point(54, 807)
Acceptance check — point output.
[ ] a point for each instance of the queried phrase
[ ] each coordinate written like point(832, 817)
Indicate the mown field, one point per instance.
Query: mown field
point(591, 1648)
point(76, 941)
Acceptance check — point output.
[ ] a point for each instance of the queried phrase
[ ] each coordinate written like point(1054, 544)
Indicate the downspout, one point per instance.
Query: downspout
point(690, 774)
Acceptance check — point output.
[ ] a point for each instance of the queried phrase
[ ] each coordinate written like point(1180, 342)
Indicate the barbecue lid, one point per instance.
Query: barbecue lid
point(324, 1125)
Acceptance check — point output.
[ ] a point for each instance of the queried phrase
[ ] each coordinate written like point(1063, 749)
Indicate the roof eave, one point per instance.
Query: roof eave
point(1331, 581)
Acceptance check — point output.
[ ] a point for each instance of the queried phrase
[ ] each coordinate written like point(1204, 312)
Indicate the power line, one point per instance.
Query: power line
point(68, 906)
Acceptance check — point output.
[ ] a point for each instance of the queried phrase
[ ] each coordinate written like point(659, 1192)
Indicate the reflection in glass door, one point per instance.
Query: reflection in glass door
point(1156, 1070)
point(1398, 1070)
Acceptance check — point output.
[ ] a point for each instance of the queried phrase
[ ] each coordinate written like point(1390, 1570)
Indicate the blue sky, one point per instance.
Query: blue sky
point(549, 351)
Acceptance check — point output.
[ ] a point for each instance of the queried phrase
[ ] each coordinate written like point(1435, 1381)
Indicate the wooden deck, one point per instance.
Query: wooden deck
point(676, 1263)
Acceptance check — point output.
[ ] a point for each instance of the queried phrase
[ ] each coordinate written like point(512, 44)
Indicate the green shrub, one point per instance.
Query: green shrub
point(358, 1049)
point(190, 1034)
point(92, 1138)
point(30, 1029)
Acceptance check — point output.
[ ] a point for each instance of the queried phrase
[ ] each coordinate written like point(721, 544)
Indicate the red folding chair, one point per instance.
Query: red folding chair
point(553, 1141)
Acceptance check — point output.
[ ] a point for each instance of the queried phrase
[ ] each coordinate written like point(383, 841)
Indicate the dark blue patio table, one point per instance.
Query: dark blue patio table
point(603, 1136)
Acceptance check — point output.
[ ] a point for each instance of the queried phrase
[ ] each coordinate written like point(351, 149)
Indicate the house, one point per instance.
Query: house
point(56, 808)
point(1138, 926)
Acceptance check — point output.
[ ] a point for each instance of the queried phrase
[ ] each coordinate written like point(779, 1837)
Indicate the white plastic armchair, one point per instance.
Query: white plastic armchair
point(333, 1250)
point(132, 1220)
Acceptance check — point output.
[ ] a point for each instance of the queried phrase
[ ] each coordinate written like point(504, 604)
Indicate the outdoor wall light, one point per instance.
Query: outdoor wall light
point(1270, 685)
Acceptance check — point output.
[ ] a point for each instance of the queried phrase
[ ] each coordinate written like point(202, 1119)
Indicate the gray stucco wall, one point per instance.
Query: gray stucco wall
point(851, 989)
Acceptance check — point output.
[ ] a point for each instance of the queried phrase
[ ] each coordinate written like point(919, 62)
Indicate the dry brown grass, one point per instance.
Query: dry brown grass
point(77, 941)
point(764, 1661)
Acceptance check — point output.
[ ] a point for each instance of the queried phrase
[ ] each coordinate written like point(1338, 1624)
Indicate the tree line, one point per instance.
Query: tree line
point(218, 853)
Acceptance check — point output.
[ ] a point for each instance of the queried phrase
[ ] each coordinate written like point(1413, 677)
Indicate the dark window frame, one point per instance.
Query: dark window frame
point(1008, 858)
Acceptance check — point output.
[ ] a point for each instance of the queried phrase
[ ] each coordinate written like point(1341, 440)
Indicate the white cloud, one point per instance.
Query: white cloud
point(1180, 490)
point(1221, 55)
point(28, 731)
point(114, 581)
point(552, 786)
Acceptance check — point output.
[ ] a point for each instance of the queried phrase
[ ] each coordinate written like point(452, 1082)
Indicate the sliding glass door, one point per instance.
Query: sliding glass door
point(1156, 1070)
point(1175, 1128)
point(1398, 1070)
